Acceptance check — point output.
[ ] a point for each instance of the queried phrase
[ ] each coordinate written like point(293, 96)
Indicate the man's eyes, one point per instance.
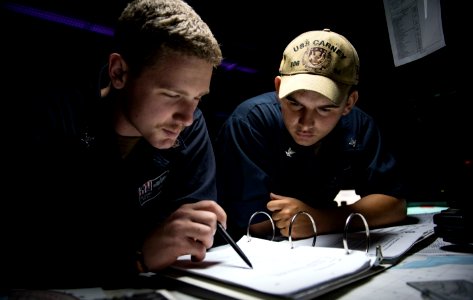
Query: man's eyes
point(293, 102)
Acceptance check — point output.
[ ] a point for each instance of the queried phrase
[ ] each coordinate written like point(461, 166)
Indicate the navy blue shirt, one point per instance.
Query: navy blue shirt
point(256, 156)
point(80, 211)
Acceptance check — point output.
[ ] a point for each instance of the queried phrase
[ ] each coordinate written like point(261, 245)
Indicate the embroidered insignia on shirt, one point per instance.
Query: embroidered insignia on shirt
point(352, 142)
point(290, 152)
point(151, 188)
point(86, 139)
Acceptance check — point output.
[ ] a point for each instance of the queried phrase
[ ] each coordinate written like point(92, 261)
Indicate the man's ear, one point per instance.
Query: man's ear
point(117, 70)
point(277, 85)
point(351, 101)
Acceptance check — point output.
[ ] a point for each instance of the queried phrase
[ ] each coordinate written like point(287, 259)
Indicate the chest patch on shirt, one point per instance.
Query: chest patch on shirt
point(151, 188)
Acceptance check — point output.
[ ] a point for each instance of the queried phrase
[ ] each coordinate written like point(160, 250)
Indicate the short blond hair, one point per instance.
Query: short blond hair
point(148, 28)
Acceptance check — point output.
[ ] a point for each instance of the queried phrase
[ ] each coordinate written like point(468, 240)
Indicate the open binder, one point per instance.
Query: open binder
point(281, 270)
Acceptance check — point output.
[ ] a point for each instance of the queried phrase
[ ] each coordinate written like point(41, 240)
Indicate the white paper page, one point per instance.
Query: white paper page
point(277, 269)
point(415, 28)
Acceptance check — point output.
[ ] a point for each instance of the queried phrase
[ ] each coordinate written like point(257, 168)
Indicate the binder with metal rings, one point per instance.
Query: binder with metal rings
point(379, 253)
point(251, 218)
point(313, 226)
point(345, 232)
point(379, 256)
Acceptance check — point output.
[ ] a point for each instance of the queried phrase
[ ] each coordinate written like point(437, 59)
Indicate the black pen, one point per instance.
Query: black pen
point(232, 243)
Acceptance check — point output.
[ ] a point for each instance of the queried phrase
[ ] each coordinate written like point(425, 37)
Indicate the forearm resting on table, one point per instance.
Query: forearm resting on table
point(378, 210)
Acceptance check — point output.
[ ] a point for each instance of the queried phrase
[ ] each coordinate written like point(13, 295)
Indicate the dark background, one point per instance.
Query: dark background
point(421, 106)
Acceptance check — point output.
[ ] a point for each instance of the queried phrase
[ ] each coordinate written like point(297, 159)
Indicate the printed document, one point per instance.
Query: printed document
point(415, 28)
point(278, 269)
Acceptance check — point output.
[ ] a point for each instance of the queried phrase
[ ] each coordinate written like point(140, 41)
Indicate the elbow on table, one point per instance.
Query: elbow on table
point(398, 211)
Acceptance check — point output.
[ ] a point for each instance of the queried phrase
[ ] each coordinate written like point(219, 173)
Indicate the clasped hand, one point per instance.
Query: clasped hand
point(283, 209)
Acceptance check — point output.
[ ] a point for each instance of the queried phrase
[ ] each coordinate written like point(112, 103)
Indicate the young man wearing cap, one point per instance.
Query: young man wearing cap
point(294, 149)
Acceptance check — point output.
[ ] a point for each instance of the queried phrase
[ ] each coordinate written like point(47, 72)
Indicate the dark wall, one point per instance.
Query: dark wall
point(421, 106)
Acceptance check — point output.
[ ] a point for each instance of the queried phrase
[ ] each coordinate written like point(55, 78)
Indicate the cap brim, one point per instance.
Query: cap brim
point(321, 84)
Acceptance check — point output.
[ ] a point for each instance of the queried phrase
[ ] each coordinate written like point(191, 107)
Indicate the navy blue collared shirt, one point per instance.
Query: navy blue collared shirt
point(256, 156)
point(79, 209)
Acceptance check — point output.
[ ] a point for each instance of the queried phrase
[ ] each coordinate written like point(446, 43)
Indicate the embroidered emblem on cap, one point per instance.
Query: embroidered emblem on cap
point(316, 58)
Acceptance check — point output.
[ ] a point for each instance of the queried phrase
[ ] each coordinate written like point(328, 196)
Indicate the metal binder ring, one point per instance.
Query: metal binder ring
point(251, 218)
point(367, 231)
point(313, 225)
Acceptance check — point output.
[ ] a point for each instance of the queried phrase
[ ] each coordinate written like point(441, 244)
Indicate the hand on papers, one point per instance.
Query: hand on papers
point(188, 230)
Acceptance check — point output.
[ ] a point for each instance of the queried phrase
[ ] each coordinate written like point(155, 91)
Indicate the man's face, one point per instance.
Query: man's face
point(309, 116)
point(162, 100)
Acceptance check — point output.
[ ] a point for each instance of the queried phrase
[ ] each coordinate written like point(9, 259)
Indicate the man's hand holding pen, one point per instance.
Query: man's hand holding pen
point(188, 230)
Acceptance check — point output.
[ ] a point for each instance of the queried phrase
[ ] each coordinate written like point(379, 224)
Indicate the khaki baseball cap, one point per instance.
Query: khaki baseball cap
point(321, 61)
